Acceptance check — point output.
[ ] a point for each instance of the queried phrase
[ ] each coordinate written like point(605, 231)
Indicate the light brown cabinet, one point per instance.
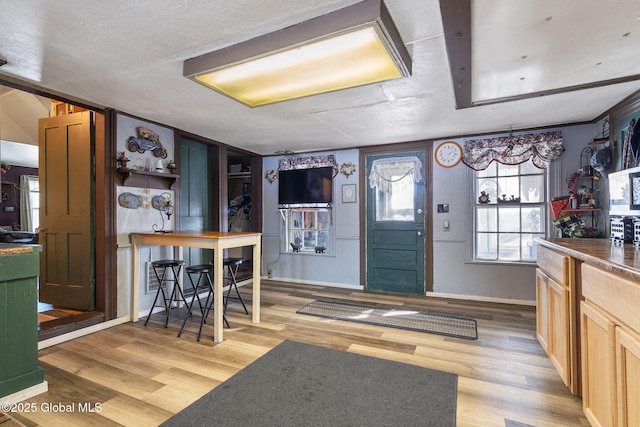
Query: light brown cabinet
point(628, 376)
point(598, 366)
point(610, 348)
point(555, 313)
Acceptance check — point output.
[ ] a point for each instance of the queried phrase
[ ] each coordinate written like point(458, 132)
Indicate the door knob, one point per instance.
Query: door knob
point(419, 211)
point(419, 233)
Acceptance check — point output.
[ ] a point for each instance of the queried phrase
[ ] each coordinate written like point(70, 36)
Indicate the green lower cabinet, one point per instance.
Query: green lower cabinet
point(19, 368)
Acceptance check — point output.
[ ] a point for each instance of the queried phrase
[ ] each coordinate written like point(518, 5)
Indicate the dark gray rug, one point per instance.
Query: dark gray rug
point(459, 327)
point(298, 384)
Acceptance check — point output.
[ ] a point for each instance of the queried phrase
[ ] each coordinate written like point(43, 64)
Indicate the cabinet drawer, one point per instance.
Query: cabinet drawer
point(554, 264)
point(618, 296)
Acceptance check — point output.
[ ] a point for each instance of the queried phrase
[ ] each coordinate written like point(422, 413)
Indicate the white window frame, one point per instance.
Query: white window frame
point(308, 234)
point(543, 222)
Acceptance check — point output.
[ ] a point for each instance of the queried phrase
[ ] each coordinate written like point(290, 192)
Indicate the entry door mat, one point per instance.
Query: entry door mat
point(298, 384)
point(451, 326)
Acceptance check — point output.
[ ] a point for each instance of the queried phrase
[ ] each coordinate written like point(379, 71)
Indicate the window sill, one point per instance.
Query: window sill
point(503, 263)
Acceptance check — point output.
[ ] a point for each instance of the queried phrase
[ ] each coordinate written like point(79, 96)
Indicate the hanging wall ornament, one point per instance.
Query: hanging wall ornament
point(271, 176)
point(347, 169)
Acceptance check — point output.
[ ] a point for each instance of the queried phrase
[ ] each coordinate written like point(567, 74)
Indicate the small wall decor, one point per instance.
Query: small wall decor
point(4, 167)
point(172, 167)
point(122, 160)
point(348, 193)
point(484, 197)
point(347, 169)
point(146, 140)
point(271, 176)
point(130, 200)
point(162, 203)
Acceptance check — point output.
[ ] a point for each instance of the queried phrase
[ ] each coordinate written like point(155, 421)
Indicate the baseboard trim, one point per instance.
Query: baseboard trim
point(482, 299)
point(81, 332)
point(311, 282)
point(430, 294)
point(27, 393)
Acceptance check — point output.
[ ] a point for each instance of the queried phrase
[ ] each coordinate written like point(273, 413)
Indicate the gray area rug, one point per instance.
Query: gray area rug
point(459, 327)
point(298, 384)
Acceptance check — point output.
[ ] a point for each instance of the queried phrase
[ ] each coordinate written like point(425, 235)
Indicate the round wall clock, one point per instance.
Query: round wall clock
point(448, 154)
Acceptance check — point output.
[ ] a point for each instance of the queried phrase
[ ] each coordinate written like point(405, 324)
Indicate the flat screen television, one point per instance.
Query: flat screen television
point(305, 186)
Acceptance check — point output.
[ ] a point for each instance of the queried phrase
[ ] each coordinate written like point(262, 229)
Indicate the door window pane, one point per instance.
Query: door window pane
point(395, 202)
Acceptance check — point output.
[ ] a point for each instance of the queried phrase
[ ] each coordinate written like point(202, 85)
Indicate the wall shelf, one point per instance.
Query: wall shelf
point(135, 178)
point(236, 175)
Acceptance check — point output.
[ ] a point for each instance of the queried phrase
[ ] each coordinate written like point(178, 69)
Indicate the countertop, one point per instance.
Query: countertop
point(601, 253)
point(12, 249)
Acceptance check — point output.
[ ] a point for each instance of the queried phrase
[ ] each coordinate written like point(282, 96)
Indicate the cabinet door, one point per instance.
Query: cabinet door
point(542, 309)
point(559, 339)
point(628, 377)
point(598, 367)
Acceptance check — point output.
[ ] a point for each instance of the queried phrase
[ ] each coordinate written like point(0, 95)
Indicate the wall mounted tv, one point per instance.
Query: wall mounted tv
point(305, 186)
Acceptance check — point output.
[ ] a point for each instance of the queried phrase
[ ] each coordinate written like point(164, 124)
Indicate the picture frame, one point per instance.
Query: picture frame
point(349, 194)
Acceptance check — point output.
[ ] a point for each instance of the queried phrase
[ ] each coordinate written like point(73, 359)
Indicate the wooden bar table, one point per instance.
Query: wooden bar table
point(216, 240)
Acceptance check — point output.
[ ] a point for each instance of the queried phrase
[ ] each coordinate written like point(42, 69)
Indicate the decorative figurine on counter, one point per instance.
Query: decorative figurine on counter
point(172, 167)
point(512, 199)
point(122, 160)
point(484, 197)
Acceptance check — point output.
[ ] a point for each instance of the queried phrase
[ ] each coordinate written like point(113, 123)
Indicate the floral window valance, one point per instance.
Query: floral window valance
point(309, 162)
point(541, 148)
point(384, 172)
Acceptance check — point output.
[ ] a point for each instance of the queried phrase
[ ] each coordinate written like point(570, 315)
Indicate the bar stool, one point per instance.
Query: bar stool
point(202, 270)
point(233, 264)
point(160, 269)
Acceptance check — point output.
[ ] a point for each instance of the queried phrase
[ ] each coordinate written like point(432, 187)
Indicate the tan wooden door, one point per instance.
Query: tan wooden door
point(67, 277)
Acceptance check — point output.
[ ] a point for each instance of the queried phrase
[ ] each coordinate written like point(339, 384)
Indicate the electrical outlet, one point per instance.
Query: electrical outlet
point(9, 208)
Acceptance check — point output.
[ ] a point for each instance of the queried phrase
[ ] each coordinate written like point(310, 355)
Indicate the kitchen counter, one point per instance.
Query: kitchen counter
point(601, 253)
point(12, 249)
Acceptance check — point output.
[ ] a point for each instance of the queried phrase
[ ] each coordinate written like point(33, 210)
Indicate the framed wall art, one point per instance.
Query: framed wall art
point(349, 193)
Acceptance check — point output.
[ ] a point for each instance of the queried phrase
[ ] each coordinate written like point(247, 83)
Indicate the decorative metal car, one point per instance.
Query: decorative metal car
point(146, 140)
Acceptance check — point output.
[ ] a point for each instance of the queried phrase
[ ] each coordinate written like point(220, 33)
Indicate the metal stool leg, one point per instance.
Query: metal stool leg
point(196, 288)
point(209, 306)
point(233, 273)
point(173, 297)
point(158, 292)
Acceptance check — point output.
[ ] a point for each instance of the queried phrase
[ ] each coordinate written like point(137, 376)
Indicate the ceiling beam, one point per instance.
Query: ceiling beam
point(456, 22)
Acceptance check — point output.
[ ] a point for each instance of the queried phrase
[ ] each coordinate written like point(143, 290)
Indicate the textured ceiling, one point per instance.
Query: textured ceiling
point(128, 56)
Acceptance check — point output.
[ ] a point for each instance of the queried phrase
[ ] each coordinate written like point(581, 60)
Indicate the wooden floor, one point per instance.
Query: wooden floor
point(140, 376)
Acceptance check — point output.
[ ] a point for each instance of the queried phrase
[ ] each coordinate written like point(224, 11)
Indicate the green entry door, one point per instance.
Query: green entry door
point(395, 223)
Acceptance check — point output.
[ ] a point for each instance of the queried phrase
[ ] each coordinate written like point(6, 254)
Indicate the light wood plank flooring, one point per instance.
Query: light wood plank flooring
point(140, 376)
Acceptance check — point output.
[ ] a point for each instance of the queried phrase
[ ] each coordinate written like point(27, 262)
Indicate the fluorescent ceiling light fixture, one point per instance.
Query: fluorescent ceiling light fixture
point(350, 47)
